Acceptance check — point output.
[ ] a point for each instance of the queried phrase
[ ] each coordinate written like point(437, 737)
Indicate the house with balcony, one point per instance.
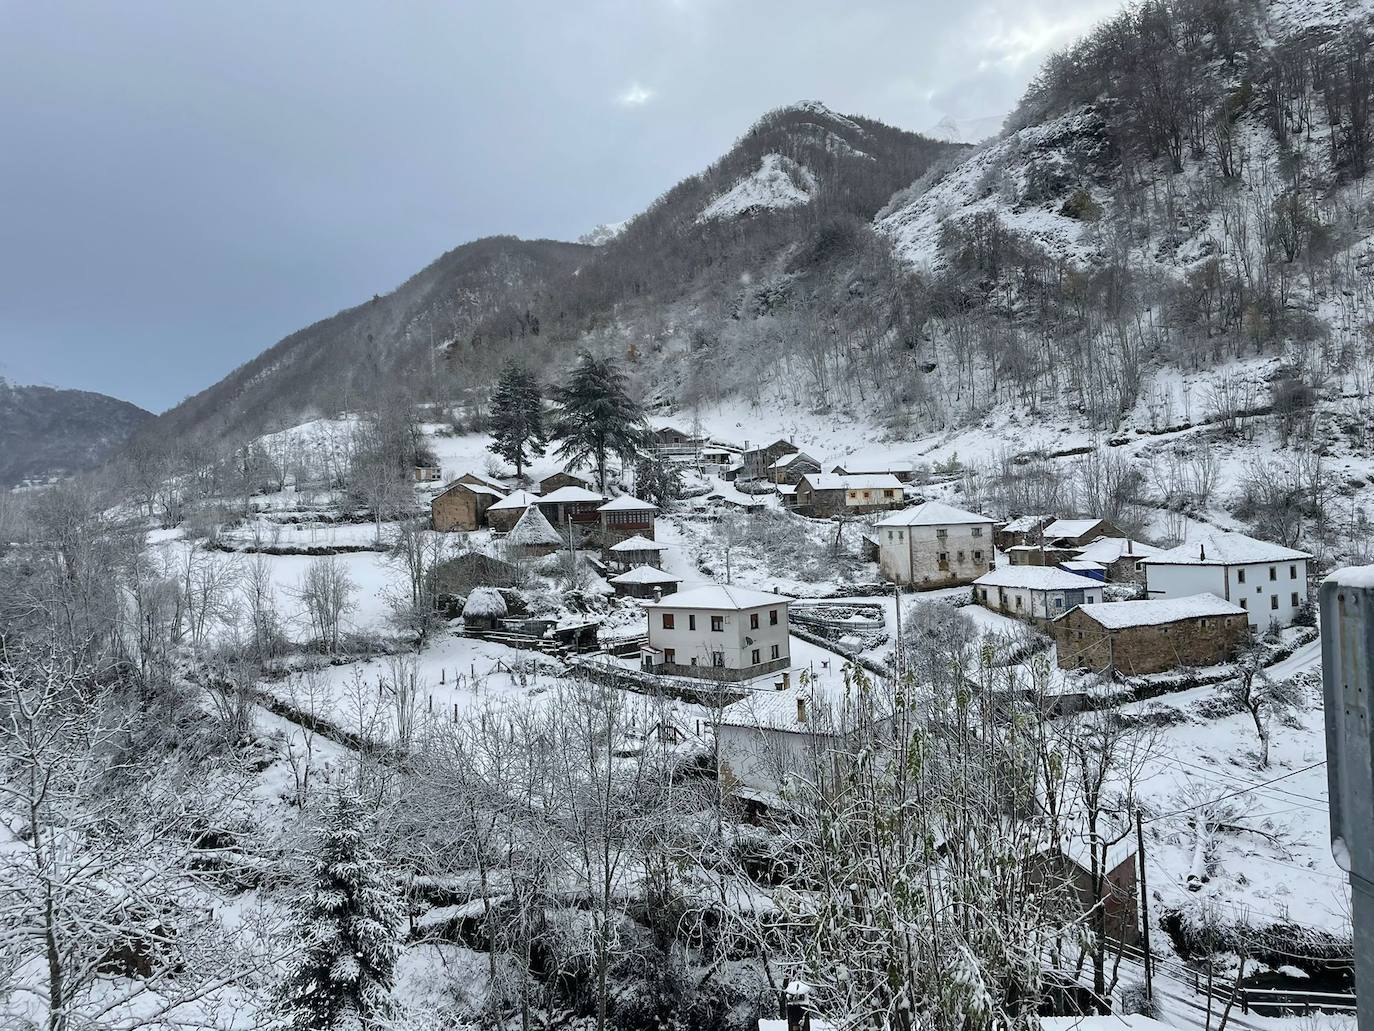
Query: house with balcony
point(934, 545)
point(717, 632)
point(821, 495)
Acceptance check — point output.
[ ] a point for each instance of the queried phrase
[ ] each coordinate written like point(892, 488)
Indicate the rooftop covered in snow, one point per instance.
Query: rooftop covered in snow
point(646, 575)
point(569, 495)
point(1071, 527)
point(852, 481)
point(638, 543)
point(516, 499)
point(1118, 615)
point(932, 513)
point(1036, 578)
point(1225, 549)
point(1110, 549)
point(625, 503)
point(721, 596)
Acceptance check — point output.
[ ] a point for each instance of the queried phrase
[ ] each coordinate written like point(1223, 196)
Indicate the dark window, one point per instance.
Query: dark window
point(772, 617)
point(718, 659)
point(977, 531)
point(1245, 603)
point(1295, 599)
point(691, 621)
point(1274, 601)
point(1292, 572)
point(754, 657)
point(1240, 576)
point(961, 556)
point(753, 621)
point(717, 623)
point(944, 556)
point(667, 621)
point(775, 651)
point(1273, 572)
point(669, 655)
point(978, 556)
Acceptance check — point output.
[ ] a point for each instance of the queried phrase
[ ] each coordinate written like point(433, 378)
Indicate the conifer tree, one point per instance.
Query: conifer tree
point(596, 415)
point(351, 924)
point(517, 416)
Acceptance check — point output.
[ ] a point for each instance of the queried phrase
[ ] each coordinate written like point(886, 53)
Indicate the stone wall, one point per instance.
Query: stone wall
point(1201, 641)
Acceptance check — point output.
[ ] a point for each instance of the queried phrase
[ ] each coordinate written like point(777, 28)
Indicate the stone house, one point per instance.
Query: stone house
point(503, 515)
point(934, 545)
point(625, 517)
point(1268, 580)
point(645, 582)
point(1035, 593)
point(552, 482)
point(833, 494)
point(754, 462)
point(1039, 554)
point(1024, 529)
point(1120, 556)
point(427, 473)
point(790, 468)
point(717, 632)
point(462, 505)
point(1075, 533)
point(1139, 637)
point(904, 471)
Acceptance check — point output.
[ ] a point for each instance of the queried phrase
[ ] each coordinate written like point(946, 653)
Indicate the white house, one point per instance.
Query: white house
point(1268, 580)
point(717, 632)
point(768, 736)
point(1035, 592)
point(934, 545)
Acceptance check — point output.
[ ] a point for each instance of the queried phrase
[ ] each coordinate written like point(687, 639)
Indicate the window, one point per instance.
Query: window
point(944, 558)
point(1295, 599)
point(942, 533)
point(889, 535)
point(1292, 572)
point(1245, 603)
point(694, 660)
point(977, 531)
point(717, 624)
point(1240, 576)
point(754, 657)
point(772, 617)
point(691, 621)
point(961, 556)
point(1273, 572)
point(865, 495)
point(753, 621)
point(1058, 601)
point(669, 654)
point(978, 556)
point(1274, 601)
point(1018, 601)
point(774, 653)
point(1079, 633)
point(1202, 623)
point(887, 493)
point(667, 621)
point(899, 535)
point(718, 659)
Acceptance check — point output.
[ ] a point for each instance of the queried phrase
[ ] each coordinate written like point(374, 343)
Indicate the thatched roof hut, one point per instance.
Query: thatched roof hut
point(533, 535)
point(484, 608)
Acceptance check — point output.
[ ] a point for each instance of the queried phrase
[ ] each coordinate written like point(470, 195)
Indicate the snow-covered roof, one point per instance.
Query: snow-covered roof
point(625, 503)
point(1070, 527)
point(1111, 1022)
point(721, 596)
point(1025, 523)
point(862, 468)
point(646, 575)
point(514, 500)
point(570, 493)
point(1117, 615)
point(795, 456)
point(1109, 549)
point(1036, 578)
point(852, 481)
point(533, 528)
point(932, 513)
point(1224, 549)
point(485, 602)
point(786, 490)
point(1083, 565)
point(475, 488)
point(638, 543)
point(773, 710)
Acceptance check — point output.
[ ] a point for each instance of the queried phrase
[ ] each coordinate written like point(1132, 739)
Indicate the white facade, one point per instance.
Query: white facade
point(718, 628)
point(934, 544)
point(767, 738)
point(1035, 592)
point(1268, 580)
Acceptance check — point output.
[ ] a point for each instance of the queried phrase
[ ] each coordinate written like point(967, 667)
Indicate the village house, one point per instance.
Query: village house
point(1075, 533)
point(754, 462)
point(427, 473)
point(833, 494)
point(1021, 530)
point(636, 551)
point(1092, 570)
point(787, 494)
point(718, 632)
point(1268, 580)
point(1035, 593)
point(645, 582)
point(1069, 865)
point(903, 470)
point(625, 516)
point(533, 536)
point(934, 545)
point(1139, 637)
point(1120, 556)
point(792, 467)
point(768, 736)
point(505, 513)
point(714, 456)
point(572, 504)
point(1039, 555)
point(553, 481)
point(463, 505)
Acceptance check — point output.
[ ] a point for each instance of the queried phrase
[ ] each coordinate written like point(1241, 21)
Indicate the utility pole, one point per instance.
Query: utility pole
point(1144, 909)
point(897, 597)
point(1347, 621)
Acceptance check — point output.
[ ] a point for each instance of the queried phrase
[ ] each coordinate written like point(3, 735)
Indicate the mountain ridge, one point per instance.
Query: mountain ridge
point(48, 432)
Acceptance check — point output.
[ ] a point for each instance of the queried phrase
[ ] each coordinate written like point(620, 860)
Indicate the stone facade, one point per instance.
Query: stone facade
point(462, 507)
point(1083, 643)
point(935, 556)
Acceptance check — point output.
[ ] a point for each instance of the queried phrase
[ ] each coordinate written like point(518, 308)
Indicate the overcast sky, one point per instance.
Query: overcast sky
point(182, 184)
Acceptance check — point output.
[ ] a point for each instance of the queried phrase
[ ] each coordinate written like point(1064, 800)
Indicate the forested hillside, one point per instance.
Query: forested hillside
point(46, 432)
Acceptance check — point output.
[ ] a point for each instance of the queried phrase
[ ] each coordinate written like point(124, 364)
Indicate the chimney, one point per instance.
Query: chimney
point(658, 594)
point(801, 708)
point(796, 996)
point(1202, 552)
point(1129, 547)
point(786, 679)
point(780, 685)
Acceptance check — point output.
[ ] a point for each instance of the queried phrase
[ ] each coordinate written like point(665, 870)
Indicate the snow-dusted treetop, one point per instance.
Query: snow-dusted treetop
point(779, 182)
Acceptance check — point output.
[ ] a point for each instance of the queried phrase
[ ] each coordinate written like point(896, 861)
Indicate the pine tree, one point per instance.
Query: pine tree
point(657, 481)
point(517, 416)
point(596, 415)
point(351, 922)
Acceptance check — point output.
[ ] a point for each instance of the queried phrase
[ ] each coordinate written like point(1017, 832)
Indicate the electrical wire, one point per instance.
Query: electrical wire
point(1233, 794)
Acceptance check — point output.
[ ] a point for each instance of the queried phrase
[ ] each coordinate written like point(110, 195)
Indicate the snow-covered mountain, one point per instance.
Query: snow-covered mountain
point(778, 182)
point(966, 130)
point(46, 432)
point(603, 233)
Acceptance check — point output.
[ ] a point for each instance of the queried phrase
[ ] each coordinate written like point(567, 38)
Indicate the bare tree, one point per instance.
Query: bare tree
point(326, 590)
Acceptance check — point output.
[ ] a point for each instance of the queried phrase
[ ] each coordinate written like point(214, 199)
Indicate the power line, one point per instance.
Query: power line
point(1233, 794)
point(1321, 802)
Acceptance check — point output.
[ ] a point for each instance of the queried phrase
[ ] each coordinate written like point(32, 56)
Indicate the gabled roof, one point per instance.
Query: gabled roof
point(1026, 523)
point(768, 447)
point(1117, 615)
point(1037, 578)
point(638, 543)
point(795, 456)
point(897, 465)
point(1070, 528)
point(932, 513)
point(852, 481)
point(786, 490)
point(472, 488)
point(625, 503)
point(514, 500)
point(721, 596)
point(1075, 565)
point(1110, 549)
point(646, 575)
point(533, 528)
point(570, 493)
point(1225, 549)
point(777, 710)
